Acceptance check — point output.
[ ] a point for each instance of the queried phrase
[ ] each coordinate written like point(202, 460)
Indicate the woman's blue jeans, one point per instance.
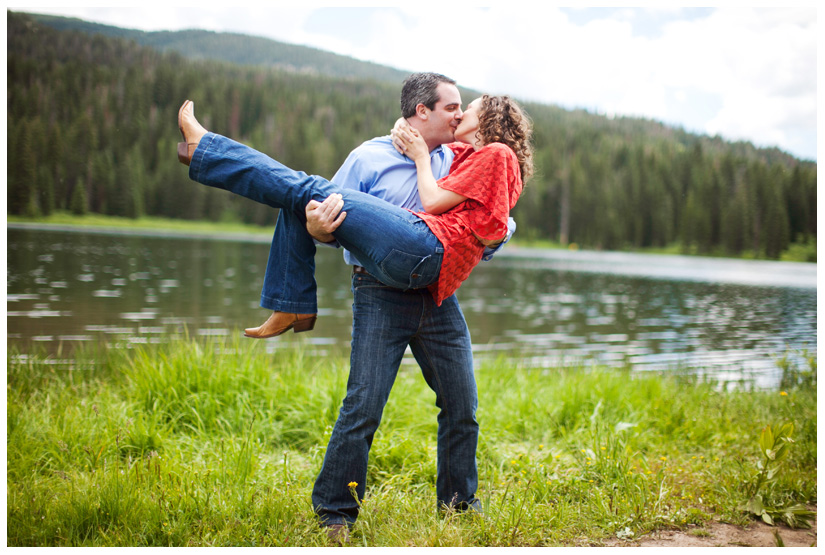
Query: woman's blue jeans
point(392, 243)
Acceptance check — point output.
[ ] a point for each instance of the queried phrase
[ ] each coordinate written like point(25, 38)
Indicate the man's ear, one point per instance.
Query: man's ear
point(422, 111)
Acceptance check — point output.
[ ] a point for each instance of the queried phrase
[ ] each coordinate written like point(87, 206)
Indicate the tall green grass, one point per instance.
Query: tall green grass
point(217, 443)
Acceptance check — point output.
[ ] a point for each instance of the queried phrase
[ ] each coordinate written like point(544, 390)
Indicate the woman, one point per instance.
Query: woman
point(438, 249)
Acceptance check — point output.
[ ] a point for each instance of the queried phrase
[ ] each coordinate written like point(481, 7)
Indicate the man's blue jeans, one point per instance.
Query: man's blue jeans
point(392, 243)
point(385, 321)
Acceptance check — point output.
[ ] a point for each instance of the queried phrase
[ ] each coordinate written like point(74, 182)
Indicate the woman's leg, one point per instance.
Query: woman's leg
point(289, 282)
point(225, 164)
point(394, 245)
point(289, 288)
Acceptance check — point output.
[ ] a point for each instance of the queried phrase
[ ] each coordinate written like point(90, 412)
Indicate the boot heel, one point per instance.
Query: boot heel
point(304, 325)
point(184, 157)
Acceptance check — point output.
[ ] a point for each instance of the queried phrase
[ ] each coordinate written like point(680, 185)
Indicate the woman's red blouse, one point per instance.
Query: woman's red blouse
point(490, 178)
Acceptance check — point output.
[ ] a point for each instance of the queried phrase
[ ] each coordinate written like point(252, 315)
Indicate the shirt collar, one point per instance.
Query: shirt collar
point(437, 151)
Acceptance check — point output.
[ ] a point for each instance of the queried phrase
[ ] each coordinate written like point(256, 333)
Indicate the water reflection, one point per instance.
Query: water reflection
point(650, 323)
point(547, 309)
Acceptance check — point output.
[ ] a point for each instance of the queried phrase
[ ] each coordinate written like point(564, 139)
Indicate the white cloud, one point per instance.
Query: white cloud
point(761, 63)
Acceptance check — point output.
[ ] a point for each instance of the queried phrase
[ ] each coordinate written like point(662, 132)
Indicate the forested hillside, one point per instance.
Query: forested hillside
point(200, 44)
point(92, 127)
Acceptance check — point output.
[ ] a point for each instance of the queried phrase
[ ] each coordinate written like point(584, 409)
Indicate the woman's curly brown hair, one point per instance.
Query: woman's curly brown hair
point(501, 120)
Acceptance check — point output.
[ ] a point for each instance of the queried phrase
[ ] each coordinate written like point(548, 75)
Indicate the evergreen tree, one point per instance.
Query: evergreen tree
point(79, 204)
point(45, 190)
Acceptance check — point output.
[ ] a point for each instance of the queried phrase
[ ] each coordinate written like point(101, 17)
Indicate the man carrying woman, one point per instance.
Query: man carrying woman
point(419, 259)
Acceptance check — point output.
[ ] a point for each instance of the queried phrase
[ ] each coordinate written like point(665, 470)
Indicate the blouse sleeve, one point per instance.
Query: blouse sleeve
point(492, 177)
point(461, 151)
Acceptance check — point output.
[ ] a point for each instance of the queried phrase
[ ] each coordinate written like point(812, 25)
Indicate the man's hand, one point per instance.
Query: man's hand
point(324, 217)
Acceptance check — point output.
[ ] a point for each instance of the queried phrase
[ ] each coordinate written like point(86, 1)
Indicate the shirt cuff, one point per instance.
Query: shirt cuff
point(490, 252)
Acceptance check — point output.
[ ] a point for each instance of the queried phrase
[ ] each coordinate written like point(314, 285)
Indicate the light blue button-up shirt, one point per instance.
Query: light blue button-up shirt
point(377, 169)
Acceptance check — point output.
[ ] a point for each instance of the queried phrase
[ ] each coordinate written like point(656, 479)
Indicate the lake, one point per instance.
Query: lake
point(730, 319)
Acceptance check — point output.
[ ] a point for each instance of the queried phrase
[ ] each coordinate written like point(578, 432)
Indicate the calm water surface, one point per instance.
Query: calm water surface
point(727, 318)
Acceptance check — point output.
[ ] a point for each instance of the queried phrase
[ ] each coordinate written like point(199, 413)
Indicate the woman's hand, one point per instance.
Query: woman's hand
point(409, 141)
point(401, 126)
point(414, 145)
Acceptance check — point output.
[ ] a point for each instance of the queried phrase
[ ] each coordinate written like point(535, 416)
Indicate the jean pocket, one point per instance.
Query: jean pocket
point(410, 271)
point(364, 281)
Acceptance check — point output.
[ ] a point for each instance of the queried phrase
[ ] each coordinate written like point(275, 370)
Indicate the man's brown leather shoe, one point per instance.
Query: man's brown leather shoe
point(338, 534)
point(280, 322)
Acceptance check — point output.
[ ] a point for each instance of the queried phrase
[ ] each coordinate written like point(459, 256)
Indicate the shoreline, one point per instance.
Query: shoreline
point(143, 231)
point(249, 233)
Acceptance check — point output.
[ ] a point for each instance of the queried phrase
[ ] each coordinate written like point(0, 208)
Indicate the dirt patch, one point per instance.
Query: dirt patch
point(720, 534)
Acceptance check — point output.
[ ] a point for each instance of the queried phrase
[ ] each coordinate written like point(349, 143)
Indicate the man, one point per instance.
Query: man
point(387, 320)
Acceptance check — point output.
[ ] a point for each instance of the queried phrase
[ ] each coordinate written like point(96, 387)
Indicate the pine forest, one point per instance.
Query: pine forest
point(92, 129)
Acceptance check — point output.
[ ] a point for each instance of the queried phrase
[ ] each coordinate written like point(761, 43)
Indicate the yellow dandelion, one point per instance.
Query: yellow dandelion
point(783, 393)
point(662, 458)
point(353, 484)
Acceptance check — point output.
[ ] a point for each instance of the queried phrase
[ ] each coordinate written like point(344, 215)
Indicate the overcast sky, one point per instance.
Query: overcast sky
point(742, 73)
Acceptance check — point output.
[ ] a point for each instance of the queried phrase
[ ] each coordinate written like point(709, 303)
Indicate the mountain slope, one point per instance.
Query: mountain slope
point(236, 48)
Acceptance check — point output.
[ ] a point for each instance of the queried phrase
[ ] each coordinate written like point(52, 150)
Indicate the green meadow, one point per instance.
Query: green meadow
point(217, 443)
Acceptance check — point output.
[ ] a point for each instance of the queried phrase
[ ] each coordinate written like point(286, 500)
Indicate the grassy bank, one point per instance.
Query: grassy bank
point(217, 443)
point(185, 226)
point(798, 252)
